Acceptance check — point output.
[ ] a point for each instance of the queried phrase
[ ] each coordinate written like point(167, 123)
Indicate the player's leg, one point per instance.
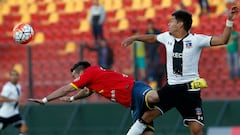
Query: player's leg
point(150, 97)
point(23, 129)
point(138, 108)
point(3, 124)
point(190, 106)
point(20, 124)
point(195, 128)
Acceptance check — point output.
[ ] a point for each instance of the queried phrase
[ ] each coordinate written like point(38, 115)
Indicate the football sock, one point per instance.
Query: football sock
point(137, 128)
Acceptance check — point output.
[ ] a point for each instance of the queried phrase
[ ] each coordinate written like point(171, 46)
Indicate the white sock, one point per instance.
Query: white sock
point(137, 128)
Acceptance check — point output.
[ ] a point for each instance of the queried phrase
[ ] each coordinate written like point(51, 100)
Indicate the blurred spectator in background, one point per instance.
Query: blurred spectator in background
point(139, 57)
point(233, 54)
point(204, 6)
point(181, 6)
point(97, 18)
point(9, 111)
point(105, 53)
point(154, 67)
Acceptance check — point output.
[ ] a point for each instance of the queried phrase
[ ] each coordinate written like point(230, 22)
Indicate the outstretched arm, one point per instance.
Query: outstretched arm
point(83, 93)
point(5, 99)
point(223, 39)
point(55, 94)
point(148, 38)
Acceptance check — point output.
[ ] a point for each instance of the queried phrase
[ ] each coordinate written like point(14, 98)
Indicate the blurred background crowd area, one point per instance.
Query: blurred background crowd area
point(62, 27)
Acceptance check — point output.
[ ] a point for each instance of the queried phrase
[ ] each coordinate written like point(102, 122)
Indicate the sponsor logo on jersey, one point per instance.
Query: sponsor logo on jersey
point(177, 55)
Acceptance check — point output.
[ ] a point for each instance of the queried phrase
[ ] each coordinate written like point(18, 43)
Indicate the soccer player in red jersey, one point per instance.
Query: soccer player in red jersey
point(112, 85)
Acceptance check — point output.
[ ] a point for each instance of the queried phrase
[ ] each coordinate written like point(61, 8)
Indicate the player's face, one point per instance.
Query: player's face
point(75, 74)
point(14, 76)
point(173, 25)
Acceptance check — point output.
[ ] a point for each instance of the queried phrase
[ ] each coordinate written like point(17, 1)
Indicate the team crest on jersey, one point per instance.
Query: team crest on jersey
point(198, 111)
point(188, 44)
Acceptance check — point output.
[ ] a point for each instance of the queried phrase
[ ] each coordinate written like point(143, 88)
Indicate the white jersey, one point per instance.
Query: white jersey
point(11, 91)
point(182, 64)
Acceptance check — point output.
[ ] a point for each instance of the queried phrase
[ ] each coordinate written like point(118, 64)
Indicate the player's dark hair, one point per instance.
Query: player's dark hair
point(80, 66)
point(185, 17)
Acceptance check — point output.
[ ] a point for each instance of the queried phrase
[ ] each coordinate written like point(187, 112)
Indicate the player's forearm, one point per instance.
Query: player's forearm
point(5, 99)
point(82, 94)
point(63, 91)
point(222, 39)
point(148, 38)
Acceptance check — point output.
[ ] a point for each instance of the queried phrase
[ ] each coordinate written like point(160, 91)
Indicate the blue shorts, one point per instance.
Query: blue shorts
point(138, 106)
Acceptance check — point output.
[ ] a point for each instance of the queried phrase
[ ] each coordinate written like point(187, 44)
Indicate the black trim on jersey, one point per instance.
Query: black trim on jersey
point(18, 92)
point(177, 56)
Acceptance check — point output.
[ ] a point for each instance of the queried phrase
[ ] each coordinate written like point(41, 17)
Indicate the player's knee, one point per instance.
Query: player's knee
point(153, 97)
point(196, 129)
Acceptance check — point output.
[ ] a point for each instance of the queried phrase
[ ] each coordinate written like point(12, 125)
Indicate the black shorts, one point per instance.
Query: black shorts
point(188, 103)
point(15, 120)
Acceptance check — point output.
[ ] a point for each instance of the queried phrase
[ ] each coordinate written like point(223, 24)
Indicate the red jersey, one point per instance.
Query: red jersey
point(112, 85)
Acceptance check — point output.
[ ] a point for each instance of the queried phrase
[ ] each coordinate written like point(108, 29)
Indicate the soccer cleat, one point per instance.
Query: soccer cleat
point(198, 83)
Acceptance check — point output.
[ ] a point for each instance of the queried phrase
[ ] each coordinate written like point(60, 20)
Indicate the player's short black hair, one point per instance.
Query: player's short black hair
point(185, 17)
point(80, 66)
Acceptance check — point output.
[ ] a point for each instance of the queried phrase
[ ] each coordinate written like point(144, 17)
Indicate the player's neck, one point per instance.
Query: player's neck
point(14, 83)
point(180, 34)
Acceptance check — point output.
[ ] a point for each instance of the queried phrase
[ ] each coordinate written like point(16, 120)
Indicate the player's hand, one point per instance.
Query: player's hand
point(65, 99)
point(39, 101)
point(127, 41)
point(17, 100)
point(233, 13)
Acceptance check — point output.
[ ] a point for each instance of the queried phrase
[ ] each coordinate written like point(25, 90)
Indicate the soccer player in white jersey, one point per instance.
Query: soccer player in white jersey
point(183, 51)
point(9, 112)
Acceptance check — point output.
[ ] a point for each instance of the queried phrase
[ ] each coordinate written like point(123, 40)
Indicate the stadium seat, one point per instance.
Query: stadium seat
point(136, 4)
point(69, 7)
point(53, 17)
point(107, 4)
point(79, 6)
point(120, 14)
point(70, 47)
point(33, 8)
point(149, 13)
point(166, 3)
point(60, 7)
point(5, 9)
point(51, 7)
point(117, 4)
point(195, 19)
point(26, 18)
point(39, 38)
point(123, 25)
point(147, 4)
point(14, 9)
point(127, 4)
point(42, 8)
point(187, 2)
point(84, 26)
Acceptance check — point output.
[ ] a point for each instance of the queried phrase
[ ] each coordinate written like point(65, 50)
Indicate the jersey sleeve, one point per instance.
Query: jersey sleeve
point(204, 40)
point(6, 91)
point(162, 37)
